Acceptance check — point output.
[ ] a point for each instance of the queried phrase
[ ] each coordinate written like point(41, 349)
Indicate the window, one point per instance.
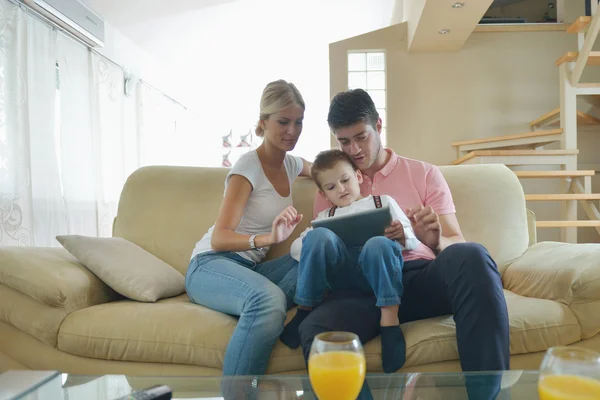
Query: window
point(366, 70)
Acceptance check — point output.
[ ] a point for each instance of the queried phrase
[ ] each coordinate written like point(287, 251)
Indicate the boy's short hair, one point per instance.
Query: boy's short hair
point(328, 159)
point(351, 107)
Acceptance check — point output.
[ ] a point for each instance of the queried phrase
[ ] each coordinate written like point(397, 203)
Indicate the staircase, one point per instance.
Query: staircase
point(559, 127)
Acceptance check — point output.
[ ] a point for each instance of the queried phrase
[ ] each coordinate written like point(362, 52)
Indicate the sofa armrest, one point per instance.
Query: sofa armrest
point(52, 276)
point(563, 272)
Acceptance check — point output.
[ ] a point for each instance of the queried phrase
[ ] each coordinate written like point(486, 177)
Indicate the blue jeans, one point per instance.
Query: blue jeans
point(259, 294)
point(326, 262)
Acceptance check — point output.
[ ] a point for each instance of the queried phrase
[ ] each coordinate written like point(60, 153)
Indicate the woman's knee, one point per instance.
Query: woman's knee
point(268, 302)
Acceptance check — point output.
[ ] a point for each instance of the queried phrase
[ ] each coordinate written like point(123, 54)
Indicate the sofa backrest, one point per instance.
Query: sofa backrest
point(166, 210)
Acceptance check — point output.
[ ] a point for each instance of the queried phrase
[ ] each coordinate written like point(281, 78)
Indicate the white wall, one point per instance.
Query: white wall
point(225, 55)
point(136, 60)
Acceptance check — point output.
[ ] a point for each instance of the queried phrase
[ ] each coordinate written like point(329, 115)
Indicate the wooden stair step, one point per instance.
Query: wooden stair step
point(507, 153)
point(567, 224)
point(586, 119)
point(562, 197)
point(525, 135)
point(591, 99)
point(582, 118)
point(593, 58)
point(579, 25)
point(554, 174)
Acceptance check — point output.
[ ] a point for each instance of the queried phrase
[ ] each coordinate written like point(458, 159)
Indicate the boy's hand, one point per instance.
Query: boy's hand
point(284, 224)
point(396, 232)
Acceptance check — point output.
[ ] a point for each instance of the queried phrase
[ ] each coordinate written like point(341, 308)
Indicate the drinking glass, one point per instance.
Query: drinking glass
point(337, 366)
point(570, 373)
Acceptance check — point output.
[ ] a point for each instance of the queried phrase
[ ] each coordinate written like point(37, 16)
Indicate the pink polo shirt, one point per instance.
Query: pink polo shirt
point(411, 183)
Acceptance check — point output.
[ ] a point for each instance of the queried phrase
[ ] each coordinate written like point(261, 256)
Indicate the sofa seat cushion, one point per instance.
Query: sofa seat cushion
point(169, 331)
point(30, 316)
point(535, 325)
point(180, 332)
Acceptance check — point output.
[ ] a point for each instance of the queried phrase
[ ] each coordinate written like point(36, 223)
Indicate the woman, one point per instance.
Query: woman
point(226, 272)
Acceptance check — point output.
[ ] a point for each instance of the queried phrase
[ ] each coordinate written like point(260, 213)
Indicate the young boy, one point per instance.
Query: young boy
point(326, 262)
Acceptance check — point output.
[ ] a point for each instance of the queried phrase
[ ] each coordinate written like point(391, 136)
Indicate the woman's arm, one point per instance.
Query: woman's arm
point(305, 168)
point(224, 237)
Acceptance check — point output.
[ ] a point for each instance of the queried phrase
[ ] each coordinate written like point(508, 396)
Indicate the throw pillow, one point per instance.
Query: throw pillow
point(124, 266)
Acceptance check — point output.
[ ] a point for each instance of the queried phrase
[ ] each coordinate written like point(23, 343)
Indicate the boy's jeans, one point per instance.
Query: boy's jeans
point(326, 262)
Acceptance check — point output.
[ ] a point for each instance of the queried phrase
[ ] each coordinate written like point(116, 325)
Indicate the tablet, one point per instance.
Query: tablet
point(356, 229)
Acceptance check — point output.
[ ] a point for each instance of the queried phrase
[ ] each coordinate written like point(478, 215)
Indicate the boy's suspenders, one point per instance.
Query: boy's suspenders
point(376, 200)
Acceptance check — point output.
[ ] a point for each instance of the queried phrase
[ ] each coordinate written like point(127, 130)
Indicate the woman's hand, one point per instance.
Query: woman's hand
point(284, 224)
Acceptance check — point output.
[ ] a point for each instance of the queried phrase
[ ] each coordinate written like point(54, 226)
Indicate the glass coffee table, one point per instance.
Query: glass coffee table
point(425, 386)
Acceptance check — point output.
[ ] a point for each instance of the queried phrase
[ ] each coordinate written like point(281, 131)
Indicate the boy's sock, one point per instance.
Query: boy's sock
point(291, 335)
point(393, 348)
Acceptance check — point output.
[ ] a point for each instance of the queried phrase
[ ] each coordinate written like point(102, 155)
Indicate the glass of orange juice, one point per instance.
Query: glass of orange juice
point(337, 366)
point(570, 373)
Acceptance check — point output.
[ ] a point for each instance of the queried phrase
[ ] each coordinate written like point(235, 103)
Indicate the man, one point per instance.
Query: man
point(444, 275)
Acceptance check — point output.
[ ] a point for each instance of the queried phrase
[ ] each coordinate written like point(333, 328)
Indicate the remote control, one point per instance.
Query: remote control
point(159, 392)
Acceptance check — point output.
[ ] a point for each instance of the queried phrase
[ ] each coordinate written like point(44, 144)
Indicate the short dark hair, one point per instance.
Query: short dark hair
point(328, 159)
point(350, 107)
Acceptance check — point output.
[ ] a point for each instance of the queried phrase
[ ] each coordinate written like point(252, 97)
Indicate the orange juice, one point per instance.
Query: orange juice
point(568, 387)
point(337, 375)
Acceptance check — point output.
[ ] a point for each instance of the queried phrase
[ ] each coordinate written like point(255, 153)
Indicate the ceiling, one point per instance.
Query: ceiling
point(124, 13)
point(438, 25)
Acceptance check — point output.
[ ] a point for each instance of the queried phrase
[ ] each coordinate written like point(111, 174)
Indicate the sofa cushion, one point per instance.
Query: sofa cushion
point(177, 331)
point(490, 207)
point(157, 201)
point(30, 316)
point(127, 268)
point(52, 276)
point(535, 325)
point(170, 331)
point(564, 272)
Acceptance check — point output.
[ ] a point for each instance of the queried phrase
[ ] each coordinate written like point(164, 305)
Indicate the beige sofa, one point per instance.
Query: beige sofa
point(55, 314)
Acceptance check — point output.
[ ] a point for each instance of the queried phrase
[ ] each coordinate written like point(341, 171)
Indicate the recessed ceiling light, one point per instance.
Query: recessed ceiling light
point(458, 5)
point(444, 31)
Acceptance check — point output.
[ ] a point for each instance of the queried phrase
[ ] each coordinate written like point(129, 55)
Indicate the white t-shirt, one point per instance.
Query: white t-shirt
point(264, 203)
point(364, 204)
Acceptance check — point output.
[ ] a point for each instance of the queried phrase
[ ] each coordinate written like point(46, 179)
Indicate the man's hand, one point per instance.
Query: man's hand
point(426, 225)
point(396, 232)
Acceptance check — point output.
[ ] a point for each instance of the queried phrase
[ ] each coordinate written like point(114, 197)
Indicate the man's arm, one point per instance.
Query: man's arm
point(451, 232)
point(435, 231)
point(436, 224)
point(305, 168)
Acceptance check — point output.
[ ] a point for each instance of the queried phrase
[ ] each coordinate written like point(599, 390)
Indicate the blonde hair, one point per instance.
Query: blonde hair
point(276, 96)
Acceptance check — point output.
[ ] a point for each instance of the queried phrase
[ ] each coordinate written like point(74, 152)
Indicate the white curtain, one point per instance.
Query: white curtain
point(69, 135)
point(76, 147)
point(16, 223)
point(48, 206)
point(61, 134)
point(32, 207)
point(109, 138)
